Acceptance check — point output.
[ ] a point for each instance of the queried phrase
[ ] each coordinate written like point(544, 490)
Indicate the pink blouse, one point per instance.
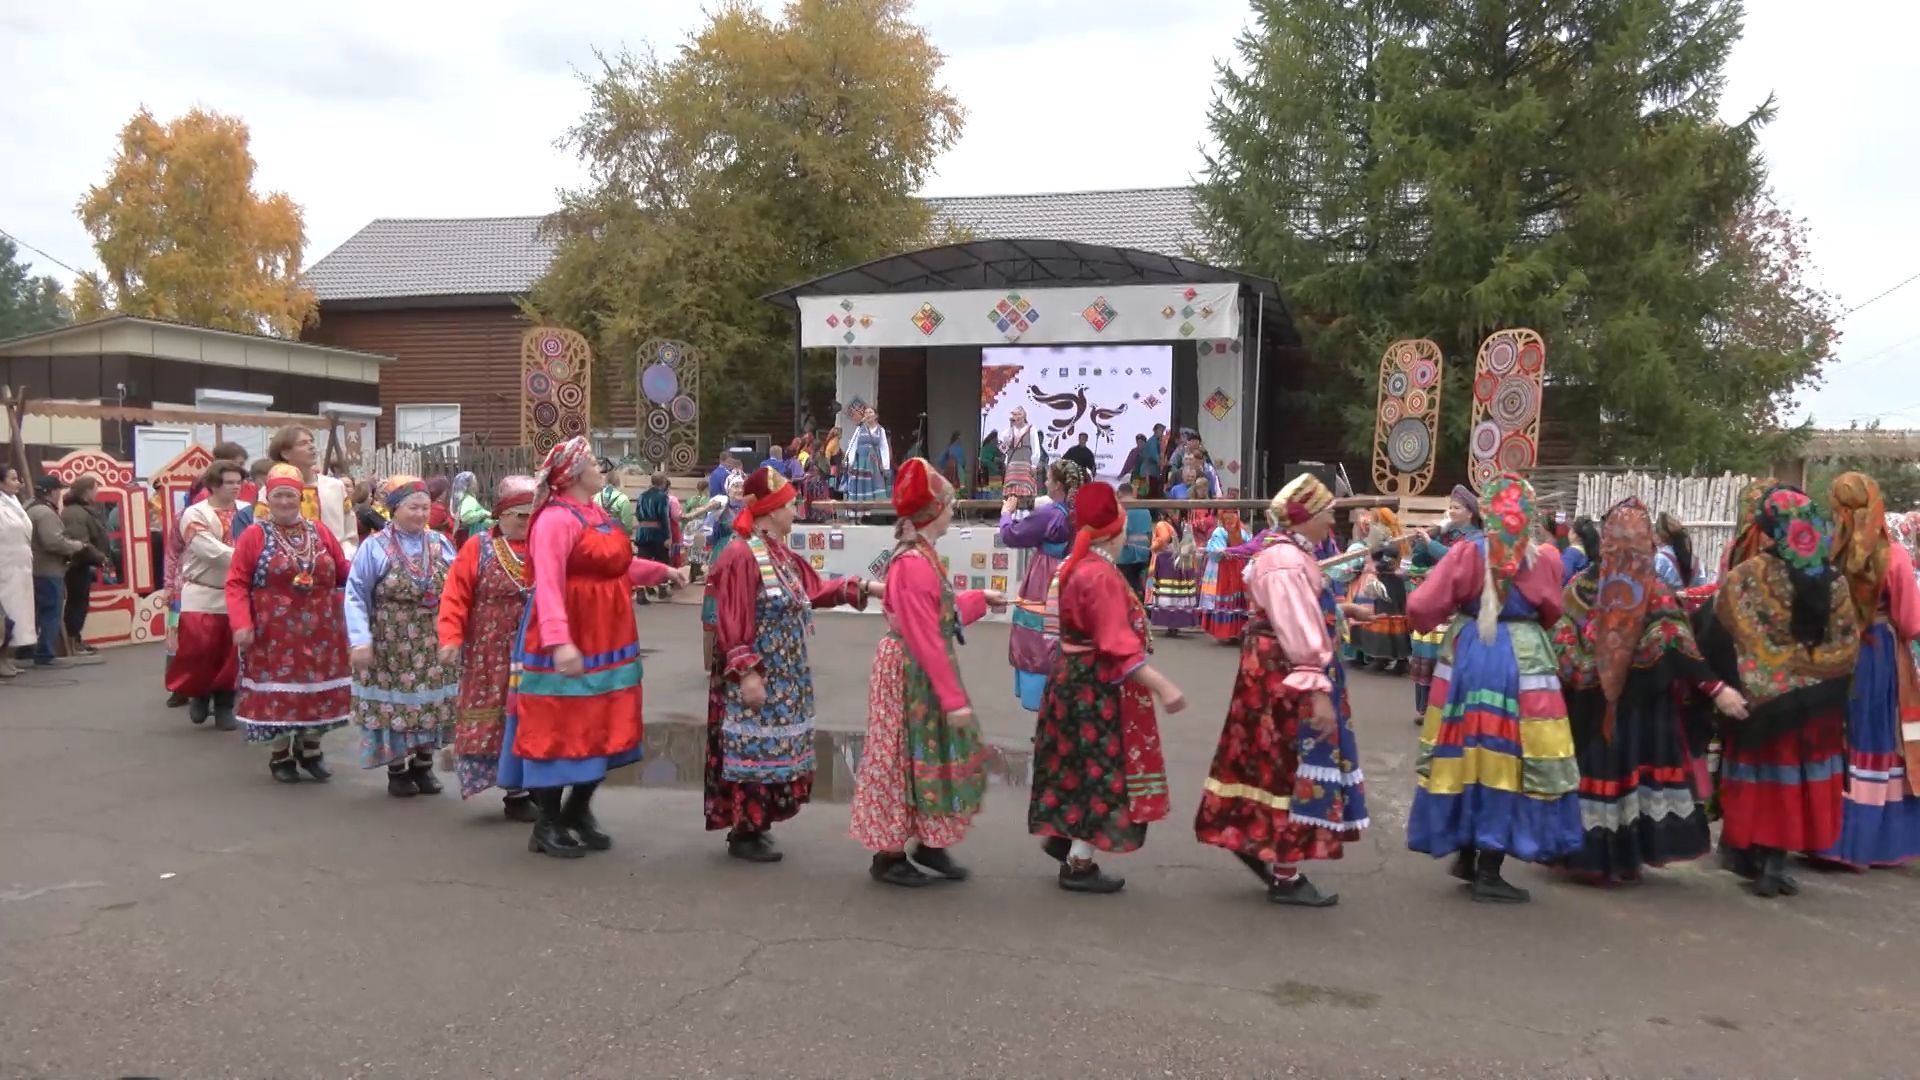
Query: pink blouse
point(1902, 594)
point(912, 605)
point(1283, 584)
point(1457, 581)
point(552, 543)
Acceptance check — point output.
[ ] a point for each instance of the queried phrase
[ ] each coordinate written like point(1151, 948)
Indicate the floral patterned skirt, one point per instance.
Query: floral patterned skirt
point(1098, 774)
point(1260, 800)
point(743, 806)
point(884, 817)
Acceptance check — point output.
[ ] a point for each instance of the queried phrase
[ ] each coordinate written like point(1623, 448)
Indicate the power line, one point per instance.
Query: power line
point(1881, 295)
point(40, 253)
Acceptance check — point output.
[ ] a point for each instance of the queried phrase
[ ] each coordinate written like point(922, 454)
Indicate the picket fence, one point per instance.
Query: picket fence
point(1707, 504)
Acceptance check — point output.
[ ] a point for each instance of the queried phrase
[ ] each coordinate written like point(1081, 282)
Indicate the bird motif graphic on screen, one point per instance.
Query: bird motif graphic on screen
point(1061, 426)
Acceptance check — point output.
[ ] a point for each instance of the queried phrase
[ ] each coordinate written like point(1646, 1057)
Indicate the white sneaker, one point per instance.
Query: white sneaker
point(8, 669)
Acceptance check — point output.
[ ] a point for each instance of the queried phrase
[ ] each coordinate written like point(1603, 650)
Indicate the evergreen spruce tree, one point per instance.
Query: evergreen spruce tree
point(1446, 168)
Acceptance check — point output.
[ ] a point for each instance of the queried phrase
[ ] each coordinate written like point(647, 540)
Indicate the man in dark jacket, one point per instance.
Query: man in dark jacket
point(81, 519)
point(51, 552)
point(1082, 455)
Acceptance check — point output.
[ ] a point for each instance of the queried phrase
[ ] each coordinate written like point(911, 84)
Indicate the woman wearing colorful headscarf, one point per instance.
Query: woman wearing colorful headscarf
point(574, 709)
point(1285, 785)
point(921, 777)
point(403, 696)
point(1463, 524)
point(1047, 532)
point(283, 603)
point(1880, 825)
point(469, 513)
point(481, 614)
point(1497, 776)
point(1099, 777)
point(1784, 630)
point(760, 690)
point(1628, 663)
point(1223, 594)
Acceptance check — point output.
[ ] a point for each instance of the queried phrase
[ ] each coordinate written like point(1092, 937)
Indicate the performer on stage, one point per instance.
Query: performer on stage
point(1223, 597)
point(1881, 811)
point(574, 707)
point(290, 629)
point(1286, 784)
point(404, 698)
point(481, 615)
point(1047, 532)
point(1098, 775)
point(204, 667)
point(989, 469)
point(1497, 775)
point(921, 778)
point(1784, 630)
point(760, 694)
point(1628, 664)
point(1023, 455)
point(869, 460)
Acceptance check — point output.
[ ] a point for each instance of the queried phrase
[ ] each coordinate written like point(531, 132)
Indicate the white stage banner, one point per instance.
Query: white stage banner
point(1076, 315)
point(856, 382)
point(1109, 393)
point(972, 557)
point(1221, 409)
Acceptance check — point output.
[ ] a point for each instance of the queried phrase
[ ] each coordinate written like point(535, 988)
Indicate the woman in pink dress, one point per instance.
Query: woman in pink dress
point(920, 777)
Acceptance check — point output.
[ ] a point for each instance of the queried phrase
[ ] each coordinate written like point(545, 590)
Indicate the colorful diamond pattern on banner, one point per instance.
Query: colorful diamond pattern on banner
point(1218, 404)
point(1013, 316)
point(928, 318)
point(1099, 314)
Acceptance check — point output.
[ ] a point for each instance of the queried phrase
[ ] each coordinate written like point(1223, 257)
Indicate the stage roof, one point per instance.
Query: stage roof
point(1032, 263)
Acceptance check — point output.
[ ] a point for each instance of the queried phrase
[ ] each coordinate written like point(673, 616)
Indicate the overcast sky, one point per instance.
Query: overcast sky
point(366, 109)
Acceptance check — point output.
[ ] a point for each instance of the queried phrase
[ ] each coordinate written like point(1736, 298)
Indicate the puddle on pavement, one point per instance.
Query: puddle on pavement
point(1291, 994)
point(674, 755)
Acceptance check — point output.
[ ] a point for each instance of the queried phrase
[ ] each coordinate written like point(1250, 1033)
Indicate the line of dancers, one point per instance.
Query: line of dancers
point(1566, 725)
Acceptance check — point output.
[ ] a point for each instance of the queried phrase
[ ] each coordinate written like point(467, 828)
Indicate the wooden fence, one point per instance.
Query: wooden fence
point(488, 464)
point(1706, 503)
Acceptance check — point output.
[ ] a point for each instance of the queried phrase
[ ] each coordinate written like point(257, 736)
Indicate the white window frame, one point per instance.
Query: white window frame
point(406, 434)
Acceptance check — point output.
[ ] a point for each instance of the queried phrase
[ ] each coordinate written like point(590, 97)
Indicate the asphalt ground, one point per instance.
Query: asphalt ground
point(168, 910)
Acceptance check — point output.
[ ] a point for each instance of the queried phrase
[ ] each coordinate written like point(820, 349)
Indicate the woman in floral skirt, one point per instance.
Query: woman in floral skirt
point(481, 614)
point(760, 695)
point(404, 698)
point(1286, 785)
point(1223, 596)
point(283, 602)
point(921, 778)
point(1098, 774)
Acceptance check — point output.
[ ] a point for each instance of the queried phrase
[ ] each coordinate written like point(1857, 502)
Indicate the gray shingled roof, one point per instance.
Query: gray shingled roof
point(395, 258)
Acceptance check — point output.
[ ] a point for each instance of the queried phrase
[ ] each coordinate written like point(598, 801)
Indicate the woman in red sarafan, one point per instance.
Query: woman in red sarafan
point(204, 666)
point(283, 601)
point(481, 613)
point(760, 688)
point(574, 706)
point(1784, 631)
point(1098, 774)
point(1285, 784)
point(921, 777)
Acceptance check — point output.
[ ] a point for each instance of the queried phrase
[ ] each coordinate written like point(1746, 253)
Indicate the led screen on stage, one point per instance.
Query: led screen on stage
point(1110, 393)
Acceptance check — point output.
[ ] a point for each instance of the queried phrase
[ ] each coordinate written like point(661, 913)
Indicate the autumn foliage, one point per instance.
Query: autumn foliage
point(181, 234)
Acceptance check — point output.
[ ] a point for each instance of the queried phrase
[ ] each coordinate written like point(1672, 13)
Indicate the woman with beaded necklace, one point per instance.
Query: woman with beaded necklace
point(283, 603)
point(480, 617)
point(403, 696)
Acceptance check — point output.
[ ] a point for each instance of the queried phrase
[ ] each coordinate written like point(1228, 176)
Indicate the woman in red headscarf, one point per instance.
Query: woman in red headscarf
point(291, 630)
point(760, 693)
point(573, 711)
point(1098, 774)
point(921, 776)
point(482, 611)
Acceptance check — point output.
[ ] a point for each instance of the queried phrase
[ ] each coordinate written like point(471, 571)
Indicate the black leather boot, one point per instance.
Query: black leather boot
point(1299, 892)
point(894, 869)
point(1490, 888)
point(1463, 865)
point(577, 815)
point(223, 717)
point(550, 837)
point(400, 783)
point(1773, 880)
point(283, 768)
point(519, 807)
point(938, 861)
point(313, 761)
point(198, 709)
point(1086, 877)
point(753, 847)
point(422, 773)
